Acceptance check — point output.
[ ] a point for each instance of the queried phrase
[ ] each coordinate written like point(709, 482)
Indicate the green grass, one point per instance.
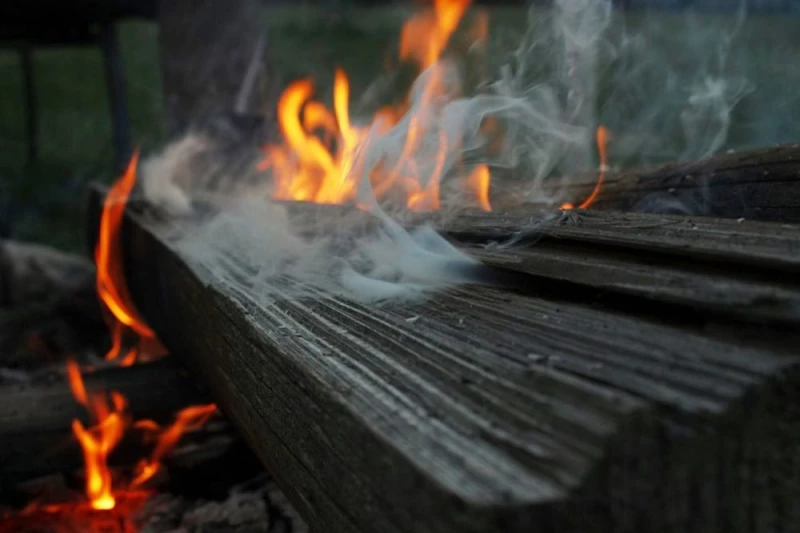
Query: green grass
point(75, 129)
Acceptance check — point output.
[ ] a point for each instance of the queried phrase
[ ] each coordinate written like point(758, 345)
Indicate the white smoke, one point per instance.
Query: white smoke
point(575, 70)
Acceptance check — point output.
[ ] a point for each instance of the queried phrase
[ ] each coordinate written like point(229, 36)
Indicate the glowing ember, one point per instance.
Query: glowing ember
point(322, 157)
point(72, 517)
point(602, 141)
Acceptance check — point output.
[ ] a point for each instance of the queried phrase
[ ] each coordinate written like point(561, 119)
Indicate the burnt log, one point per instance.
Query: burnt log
point(761, 184)
point(486, 409)
point(35, 420)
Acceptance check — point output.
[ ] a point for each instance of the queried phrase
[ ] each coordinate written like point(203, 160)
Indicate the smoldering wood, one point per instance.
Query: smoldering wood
point(761, 184)
point(483, 408)
point(35, 421)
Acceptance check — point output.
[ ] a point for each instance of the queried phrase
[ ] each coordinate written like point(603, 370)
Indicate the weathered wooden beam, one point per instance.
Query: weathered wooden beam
point(723, 266)
point(762, 184)
point(35, 420)
point(483, 409)
point(725, 240)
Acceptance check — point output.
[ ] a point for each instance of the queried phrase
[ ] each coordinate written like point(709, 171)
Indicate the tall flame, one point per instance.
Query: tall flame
point(111, 286)
point(109, 412)
point(321, 159)
point(98, 440)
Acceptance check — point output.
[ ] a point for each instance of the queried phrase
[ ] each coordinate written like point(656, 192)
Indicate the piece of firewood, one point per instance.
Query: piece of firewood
point(48, 306)
point(761, 184)
point(35, 420)
point(485, 410)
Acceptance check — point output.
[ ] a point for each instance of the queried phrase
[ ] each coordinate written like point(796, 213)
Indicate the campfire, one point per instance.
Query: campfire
point(410, 337)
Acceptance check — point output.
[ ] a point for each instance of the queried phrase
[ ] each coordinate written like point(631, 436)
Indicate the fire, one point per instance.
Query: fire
point(322, 156)
point(602, 140)
point(109, 412)
point(479, 182)
point(98, 440)
point(111, 286)
point(425, 36)
point(189, 419)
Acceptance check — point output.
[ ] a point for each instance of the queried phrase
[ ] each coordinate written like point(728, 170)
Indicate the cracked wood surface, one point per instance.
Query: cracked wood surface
point(486, 409)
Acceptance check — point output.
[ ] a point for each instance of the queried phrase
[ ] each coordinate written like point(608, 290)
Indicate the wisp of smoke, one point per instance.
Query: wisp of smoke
point(575, 68)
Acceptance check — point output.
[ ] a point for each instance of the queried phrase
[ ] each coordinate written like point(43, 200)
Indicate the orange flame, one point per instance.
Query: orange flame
point(111, 286)
point(189, 419)
point(425, 36)
point(97, 441)
point(321, 159)
point(479, 182)
point(110, 417)
point(601, 137)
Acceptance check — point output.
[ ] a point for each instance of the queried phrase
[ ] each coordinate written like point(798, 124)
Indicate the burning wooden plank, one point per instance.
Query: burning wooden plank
point(484, 409)
point(761, 184)
point(35, 421)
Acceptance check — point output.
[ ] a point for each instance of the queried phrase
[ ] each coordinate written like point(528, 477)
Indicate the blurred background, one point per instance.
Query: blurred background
point(56, 109)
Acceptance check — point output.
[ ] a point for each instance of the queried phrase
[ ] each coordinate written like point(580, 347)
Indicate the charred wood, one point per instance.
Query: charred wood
point(35, 420)
point(485, 409)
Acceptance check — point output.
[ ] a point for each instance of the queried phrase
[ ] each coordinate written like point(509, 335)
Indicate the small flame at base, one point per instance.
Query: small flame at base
point(602, 140)
point(97, 441)
point(189, 419)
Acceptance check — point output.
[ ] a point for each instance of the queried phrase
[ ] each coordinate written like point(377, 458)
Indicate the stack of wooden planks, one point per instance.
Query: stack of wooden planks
point(624, 373)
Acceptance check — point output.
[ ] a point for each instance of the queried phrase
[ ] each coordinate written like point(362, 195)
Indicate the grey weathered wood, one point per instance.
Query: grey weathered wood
point(665, 258)
point(757, 295)
point(726, 240)
point(761, 184)
point(484, 410)
point(35, 420)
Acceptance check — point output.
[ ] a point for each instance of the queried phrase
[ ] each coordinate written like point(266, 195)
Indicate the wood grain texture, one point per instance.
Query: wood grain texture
point(762, 184)
point(729, 241)
point(719, 266)
point(485, 410)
